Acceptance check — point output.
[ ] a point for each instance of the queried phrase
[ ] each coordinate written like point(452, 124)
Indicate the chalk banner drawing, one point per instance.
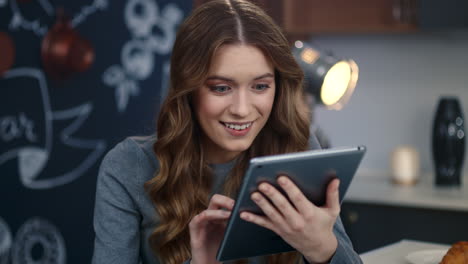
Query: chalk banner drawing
point(27, 130)
point(153, 32)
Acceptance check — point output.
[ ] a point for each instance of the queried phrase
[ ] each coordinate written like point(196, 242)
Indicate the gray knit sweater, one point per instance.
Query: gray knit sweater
point(124, 216)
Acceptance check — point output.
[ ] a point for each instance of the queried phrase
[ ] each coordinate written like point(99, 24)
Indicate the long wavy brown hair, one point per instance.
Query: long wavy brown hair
point(181, 188)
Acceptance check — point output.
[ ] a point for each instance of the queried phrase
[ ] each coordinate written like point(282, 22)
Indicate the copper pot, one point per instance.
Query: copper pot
point(7, 52)
point(64, 51)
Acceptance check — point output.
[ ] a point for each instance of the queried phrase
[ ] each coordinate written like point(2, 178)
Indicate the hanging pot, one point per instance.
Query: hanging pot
point(64, 51)
point(7, 52)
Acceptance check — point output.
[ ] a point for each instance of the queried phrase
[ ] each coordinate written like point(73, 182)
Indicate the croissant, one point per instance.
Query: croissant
point(457, 254)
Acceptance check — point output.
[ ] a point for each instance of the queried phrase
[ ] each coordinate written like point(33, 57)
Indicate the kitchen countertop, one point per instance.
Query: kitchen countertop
point(376, 187)
point(396, 253)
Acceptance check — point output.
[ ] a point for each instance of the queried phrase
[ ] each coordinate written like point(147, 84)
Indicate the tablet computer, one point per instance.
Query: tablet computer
point(310, 170)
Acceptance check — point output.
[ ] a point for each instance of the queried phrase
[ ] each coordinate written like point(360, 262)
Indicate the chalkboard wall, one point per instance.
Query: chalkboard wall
point(54, 133)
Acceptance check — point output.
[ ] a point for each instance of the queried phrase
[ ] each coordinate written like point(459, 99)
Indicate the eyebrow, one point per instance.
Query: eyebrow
point(217, 77)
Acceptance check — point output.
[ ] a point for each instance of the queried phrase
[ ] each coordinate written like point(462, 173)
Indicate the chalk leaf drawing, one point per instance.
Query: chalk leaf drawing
point(18, 21)
point(97, 5)
point(153, 32)
point(32, 141)
point(31, 160)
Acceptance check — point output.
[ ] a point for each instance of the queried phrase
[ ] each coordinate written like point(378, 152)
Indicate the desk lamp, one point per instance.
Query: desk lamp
point(330, 80)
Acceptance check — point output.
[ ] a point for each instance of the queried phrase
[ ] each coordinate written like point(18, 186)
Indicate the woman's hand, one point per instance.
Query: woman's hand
point(304, 226)
point(207, 228)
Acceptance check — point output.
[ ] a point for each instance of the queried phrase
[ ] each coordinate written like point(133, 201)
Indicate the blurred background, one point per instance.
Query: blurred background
point(58, 119)
point(76, 77)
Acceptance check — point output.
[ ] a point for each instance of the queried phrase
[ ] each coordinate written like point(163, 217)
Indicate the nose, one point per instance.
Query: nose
point(241, 103)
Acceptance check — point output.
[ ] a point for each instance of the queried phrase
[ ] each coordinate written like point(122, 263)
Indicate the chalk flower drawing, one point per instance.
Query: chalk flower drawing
point(38, 232)
point(35, 233)
point(137, 54)
point(5, 241)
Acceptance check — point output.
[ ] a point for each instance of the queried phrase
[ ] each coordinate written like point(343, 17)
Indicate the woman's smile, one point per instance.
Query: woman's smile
point(237, 129)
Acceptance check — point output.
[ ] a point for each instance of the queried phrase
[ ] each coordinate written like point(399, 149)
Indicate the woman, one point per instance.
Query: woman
point(235, 93)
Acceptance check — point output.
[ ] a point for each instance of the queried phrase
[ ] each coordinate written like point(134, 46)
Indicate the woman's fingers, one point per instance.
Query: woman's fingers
point(279, 200)
point(333, 197)
point(298, 221)
point(206, 228)
point(209, 215)
point(259, 220)
point(219, 210)
point(296, 196)
point(268, 209)
point(218, 201)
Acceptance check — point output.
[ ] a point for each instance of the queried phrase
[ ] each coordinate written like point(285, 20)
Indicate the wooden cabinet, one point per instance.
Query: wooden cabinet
point(305, 17)
point(318, 16)
point(371, 226)
point(301, 17)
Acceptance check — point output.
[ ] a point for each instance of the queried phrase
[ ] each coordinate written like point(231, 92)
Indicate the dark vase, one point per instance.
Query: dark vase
point(448, 142)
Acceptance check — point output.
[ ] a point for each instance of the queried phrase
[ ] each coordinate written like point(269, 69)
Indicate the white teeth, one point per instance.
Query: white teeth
point(237, 127)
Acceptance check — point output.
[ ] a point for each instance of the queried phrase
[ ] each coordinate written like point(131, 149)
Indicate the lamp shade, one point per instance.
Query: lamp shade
point(330, 80)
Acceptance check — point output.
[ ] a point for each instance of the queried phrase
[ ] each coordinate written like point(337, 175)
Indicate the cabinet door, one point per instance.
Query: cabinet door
point(371, 226)
point(317, 16)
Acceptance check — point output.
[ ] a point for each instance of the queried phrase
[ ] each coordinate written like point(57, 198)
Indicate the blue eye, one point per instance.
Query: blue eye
point(261, 87)
point(220, 88)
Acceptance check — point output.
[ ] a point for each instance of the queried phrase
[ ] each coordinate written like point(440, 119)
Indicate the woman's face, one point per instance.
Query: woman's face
point(234, 103)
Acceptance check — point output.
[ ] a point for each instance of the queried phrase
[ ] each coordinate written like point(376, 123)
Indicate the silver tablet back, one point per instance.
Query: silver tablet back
point(310, 170)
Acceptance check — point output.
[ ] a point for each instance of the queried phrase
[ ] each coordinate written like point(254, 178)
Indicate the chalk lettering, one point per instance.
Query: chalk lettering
point(12, 127)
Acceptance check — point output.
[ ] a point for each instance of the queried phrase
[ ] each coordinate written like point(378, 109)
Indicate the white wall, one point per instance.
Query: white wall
point(401, 78)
